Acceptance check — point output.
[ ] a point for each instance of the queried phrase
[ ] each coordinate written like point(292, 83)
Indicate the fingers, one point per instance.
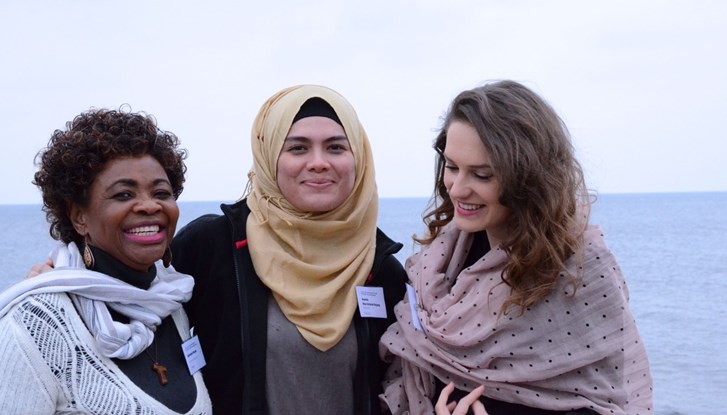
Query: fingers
point(471, 400)
point(442, 408)
point(38, 269)
point(473, 396)
point(35, 270)
point(478, 408)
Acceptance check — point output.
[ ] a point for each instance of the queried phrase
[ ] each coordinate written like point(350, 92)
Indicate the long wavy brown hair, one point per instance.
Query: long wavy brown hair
point(541, 182)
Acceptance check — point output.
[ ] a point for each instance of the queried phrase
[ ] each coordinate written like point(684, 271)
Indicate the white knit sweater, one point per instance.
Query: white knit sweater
point(49, 364)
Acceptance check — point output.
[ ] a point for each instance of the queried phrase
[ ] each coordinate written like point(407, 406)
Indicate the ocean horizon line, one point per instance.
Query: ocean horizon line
point(701, 192)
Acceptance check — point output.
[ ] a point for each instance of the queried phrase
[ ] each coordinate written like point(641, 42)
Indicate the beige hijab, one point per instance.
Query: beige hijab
point(312, 262)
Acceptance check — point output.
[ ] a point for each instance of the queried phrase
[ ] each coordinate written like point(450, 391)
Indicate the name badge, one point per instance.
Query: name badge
point(371, 302)
point(193, 354)
point(412, 297)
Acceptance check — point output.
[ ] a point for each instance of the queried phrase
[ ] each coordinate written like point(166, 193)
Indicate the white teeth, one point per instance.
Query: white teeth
point(144, 230)
point(466, 206)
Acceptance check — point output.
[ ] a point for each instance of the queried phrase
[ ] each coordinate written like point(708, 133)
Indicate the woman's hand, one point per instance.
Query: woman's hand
point(38, 269)
point(471, 401)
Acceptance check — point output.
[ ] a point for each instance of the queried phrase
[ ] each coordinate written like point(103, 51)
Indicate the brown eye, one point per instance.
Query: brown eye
point(296, 148)
point(122, 196)
point(163, 194)
point(337, 148)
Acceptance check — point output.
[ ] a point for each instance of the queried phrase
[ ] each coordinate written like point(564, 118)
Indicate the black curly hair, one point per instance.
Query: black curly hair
point(76, 155)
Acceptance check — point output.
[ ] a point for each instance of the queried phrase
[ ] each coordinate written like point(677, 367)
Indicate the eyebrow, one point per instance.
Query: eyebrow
point(132, 182)
point(306, 139)
point(477, 166)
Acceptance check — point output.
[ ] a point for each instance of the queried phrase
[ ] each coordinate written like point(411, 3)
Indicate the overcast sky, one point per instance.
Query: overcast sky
point(640, 84)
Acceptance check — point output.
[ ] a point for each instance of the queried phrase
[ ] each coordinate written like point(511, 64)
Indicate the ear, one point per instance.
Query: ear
point(78, 218)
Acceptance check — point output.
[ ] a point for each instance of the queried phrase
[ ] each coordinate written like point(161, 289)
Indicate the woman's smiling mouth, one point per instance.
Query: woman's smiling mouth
point(468, 206)
point(146, 234)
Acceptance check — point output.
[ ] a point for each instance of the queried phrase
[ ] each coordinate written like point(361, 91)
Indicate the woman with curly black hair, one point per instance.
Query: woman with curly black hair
point(103, 332)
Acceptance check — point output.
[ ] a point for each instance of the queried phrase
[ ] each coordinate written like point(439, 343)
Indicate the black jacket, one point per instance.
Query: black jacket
point(229, 312)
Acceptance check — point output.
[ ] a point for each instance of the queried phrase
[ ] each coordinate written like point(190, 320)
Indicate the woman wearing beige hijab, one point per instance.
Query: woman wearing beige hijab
point(294, 283)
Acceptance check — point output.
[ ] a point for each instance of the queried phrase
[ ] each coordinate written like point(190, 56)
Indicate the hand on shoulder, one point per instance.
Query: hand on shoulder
point(38, 269)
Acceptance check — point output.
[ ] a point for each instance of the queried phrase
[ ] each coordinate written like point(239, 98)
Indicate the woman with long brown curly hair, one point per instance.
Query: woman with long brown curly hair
point(513, 289)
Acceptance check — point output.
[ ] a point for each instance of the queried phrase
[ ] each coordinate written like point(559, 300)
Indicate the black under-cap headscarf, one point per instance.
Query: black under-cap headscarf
point(317, 107)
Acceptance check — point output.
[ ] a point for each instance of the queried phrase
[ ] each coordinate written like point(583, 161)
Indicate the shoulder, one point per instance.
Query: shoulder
point(386, 248)
point(600, 266)
point(211, 224)
point(40, 317)
point(387, 269)
point(49, 302)
point(386, 245)
point(203, 248)
point(595, 252)
point(201, 226)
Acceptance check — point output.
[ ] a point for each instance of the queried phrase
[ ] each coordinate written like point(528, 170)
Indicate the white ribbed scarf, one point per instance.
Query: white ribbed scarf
point(93, 293)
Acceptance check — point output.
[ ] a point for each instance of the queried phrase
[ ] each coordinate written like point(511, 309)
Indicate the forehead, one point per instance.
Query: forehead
point(464, 145)
point(315, 127)
point(139, 169)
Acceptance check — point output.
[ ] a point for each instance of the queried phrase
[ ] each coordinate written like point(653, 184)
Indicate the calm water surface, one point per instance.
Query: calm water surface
point(670, 246)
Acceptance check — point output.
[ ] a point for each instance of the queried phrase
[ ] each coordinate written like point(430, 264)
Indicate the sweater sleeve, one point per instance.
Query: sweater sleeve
point(26, 386)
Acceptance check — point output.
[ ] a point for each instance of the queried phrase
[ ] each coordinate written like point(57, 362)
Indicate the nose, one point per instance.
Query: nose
point(318, 161)
point(147, 205)
point(458, 188)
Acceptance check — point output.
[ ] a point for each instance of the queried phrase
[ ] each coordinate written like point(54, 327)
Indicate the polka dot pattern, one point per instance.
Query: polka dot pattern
point(569, 351)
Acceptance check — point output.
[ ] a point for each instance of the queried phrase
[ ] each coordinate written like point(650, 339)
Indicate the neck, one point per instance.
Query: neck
point(107, 264)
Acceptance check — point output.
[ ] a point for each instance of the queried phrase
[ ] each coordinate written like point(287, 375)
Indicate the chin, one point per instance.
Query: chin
point(468, 226)
point(319, 206)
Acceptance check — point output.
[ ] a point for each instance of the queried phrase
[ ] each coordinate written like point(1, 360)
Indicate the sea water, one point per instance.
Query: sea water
point(671, 248)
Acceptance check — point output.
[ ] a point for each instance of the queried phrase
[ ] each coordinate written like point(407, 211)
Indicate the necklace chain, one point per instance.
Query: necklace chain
point(160, 369)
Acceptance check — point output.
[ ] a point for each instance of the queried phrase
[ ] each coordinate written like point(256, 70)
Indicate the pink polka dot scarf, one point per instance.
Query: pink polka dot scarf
point(566, 352)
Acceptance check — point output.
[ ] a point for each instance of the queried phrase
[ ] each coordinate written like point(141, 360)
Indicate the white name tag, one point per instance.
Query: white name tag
point(193, 354)
point(371, 302)
point(412, 297)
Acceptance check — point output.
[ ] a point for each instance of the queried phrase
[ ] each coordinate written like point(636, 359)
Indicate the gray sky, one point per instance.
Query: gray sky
point(641, 84)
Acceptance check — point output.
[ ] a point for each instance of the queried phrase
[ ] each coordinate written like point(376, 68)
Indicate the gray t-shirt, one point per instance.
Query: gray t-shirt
point(301, 379)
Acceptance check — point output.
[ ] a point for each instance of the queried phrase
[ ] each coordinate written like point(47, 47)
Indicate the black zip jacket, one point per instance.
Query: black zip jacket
point(229, 312)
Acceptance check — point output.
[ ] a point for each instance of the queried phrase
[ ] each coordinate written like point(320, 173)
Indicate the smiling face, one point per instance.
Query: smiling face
point(131, 213)
point(472, 184)
point(316, 169)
